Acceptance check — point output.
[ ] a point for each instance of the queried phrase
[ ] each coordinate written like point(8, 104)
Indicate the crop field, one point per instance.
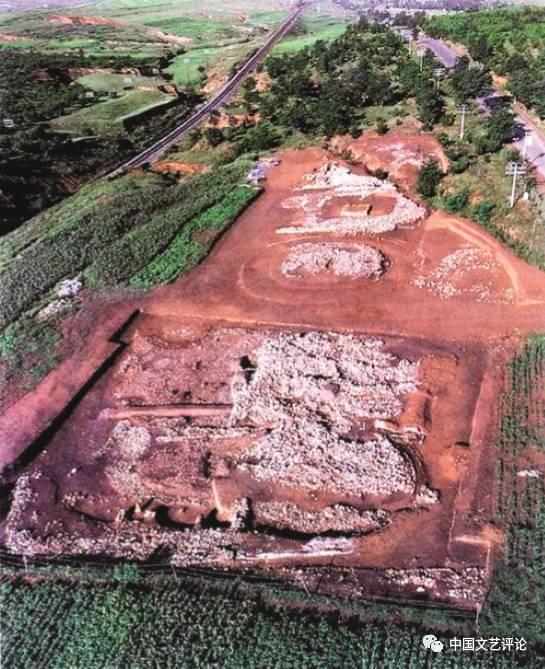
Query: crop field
point(519, 590)
point(217, 61)
point(103, 626)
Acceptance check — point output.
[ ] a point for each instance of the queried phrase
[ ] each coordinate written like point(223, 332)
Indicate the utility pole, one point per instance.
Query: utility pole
point(528, 139)
point(464, 111)
point(438, 73)
point(421, 54)
point(515, 169)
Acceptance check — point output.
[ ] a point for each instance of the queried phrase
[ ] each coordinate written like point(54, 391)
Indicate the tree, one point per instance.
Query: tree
point(501, 127)
point(469, 82)
point(478, 48)
point(429, 178)
point(261, 137)
point(214, 136)
point(430, 104)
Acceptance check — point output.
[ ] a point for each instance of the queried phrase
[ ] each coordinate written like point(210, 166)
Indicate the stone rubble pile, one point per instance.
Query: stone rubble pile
point(313, 388)
point(341, 182)
point(338, 518)
point(446, 280)
point(65, 295)
point(338, 378)
point(307, 456)
point(344, 260)
point(465, 584)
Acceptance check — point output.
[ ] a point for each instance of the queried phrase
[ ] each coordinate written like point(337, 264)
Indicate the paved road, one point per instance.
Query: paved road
point(156, 150)
point(444, 53)
point(535, 154)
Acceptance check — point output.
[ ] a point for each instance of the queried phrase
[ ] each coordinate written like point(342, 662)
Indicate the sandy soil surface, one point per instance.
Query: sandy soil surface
point(215, 434)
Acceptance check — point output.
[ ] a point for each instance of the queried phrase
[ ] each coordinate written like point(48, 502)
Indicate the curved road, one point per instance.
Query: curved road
point(535, 153)
point(156, 150)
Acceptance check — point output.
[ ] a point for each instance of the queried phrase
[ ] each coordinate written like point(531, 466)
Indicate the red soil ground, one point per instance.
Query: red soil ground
point(462, 341)
point(241, 280)
point(85, 21)
point(397, 153)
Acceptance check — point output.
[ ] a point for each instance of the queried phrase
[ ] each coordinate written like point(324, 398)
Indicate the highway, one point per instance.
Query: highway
point(158, 148)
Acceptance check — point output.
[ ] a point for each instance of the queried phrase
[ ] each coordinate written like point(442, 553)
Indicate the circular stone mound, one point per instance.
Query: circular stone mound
point(354, 261)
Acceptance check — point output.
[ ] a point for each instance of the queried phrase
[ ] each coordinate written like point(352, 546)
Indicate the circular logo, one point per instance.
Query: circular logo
point(431, 642)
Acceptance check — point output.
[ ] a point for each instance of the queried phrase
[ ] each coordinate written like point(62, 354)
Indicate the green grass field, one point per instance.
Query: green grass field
point(106, 82)
point(101, 118)
point(318, 27)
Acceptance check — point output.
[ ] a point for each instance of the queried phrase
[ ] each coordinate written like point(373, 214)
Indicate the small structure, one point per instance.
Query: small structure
point(258, 173)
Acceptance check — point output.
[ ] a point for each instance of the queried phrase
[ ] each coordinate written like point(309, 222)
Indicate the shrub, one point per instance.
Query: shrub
point(456, 202)
point(382, 126)
point(460, 165)
point(483, 211)
point(429, 178)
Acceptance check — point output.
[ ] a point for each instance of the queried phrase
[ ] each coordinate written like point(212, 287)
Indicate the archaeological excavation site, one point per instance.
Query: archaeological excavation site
point(316, 403)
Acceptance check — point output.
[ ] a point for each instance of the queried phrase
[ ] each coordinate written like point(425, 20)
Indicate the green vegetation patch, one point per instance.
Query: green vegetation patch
point(192, 244)
point(123, 258)
point(105, 82)
point(325, 28)
point(112, 228)
point(523, 407)
point(25, 342)
point(101, 116)
point(510, 41)
point(58, 625)
point(517, 598)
